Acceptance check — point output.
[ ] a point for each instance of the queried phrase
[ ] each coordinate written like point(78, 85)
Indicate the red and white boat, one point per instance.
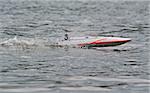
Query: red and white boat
point(91, 41)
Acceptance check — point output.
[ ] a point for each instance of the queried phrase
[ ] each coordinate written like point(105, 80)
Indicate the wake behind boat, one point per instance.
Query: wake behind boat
point(90, 41)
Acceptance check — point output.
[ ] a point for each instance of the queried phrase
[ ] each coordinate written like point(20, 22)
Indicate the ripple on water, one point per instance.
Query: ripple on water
point(86, 88)
point(127, 80)
point(29, 64)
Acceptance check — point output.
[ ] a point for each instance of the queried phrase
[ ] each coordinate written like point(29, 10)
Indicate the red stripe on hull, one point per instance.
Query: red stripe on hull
point(98, 42)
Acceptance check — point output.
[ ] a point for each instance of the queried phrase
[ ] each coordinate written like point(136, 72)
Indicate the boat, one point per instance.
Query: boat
point(91, 41)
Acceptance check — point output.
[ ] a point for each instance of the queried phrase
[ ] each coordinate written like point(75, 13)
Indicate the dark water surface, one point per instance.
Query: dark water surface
point(29, 65)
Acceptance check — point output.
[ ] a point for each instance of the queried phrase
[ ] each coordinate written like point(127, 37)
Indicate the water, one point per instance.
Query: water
point(29, 65)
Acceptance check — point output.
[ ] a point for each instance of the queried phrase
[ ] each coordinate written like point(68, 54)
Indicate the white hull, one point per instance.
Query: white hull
point(93, 41)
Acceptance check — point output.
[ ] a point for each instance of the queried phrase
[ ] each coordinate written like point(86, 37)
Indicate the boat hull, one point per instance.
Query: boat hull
point(104, 45)
point(94, 41)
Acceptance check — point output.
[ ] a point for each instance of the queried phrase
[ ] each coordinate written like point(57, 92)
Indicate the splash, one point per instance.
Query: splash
point(25, 42)
point(17, 42)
